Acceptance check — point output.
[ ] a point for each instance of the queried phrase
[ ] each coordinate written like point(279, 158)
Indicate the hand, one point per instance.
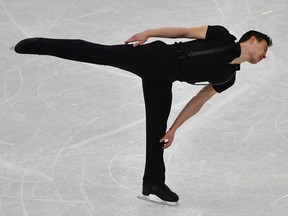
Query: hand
point(138, 39)
point(168, 138)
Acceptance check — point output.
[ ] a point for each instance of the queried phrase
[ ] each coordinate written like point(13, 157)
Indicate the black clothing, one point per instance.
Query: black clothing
point(152, 60)
point(159, 65)
point(214, 68)
point(148, 62)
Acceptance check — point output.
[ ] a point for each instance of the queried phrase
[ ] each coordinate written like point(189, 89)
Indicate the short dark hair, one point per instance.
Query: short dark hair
point(259, 36)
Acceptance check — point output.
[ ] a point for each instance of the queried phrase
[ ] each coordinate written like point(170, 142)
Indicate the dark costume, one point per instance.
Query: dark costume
point(159, 65)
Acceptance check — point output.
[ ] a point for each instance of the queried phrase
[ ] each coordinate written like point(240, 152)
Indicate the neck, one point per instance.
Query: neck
point(244, 56)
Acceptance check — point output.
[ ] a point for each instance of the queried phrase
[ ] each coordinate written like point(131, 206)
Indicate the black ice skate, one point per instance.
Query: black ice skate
point(163, 192)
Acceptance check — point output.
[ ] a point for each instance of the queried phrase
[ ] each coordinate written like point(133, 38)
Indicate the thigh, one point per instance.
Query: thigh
point(149, 61)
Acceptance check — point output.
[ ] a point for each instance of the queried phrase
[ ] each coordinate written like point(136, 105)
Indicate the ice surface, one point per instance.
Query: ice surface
point(72, 135)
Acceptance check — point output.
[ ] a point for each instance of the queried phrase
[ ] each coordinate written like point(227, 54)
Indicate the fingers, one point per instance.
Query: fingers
point(130, 40)
point(167, 139)
point(137, 42)
point(162, 139)
point(167, 142)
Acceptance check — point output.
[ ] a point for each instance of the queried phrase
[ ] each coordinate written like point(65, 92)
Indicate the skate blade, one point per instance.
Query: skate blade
point(158, 201)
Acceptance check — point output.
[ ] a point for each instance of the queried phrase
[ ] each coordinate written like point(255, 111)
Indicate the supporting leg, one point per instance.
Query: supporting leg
point(158, 99)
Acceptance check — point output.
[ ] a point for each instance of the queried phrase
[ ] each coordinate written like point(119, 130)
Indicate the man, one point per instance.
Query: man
point(253, 46)
point(213, 56)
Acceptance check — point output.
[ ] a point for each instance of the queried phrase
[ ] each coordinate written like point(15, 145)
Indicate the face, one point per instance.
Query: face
point(258, 50)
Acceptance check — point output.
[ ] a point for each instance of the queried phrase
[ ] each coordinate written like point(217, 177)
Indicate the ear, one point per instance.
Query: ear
point(252, 39)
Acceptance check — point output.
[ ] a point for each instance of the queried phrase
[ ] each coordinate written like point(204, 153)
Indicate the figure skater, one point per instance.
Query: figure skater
point(212, 56)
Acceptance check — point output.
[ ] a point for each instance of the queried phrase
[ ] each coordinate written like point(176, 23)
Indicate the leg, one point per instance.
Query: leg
point(145, 61)
point(150, 58)
point(158, 99)
point(121, 56)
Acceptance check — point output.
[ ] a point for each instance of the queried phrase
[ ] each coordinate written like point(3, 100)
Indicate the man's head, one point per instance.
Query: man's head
point(258, 44)
point(258, 35)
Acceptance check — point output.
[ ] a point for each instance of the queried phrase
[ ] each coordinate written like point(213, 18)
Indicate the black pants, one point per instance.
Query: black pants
point(155, 63)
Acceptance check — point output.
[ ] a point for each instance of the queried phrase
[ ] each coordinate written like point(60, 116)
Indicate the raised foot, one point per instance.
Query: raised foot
point(28, 46)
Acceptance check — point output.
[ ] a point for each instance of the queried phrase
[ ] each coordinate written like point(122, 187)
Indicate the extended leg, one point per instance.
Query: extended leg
point(122, 56)
point(145, 61)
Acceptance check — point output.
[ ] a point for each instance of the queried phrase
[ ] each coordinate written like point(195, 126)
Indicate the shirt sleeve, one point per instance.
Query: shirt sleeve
point(218, 33)
point(222, 87)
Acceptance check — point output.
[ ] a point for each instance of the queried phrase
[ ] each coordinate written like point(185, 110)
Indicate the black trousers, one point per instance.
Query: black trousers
point(155, 63)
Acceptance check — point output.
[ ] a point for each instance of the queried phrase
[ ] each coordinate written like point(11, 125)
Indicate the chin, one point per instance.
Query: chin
point(253, 62)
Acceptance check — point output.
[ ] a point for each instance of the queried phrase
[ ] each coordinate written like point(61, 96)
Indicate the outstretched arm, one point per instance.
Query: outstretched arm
point(191, 108)
point(168, 32)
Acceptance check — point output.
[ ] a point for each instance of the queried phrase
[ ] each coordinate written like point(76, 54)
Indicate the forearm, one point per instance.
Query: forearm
point(167, 32)
point(188, 111)
point(193, 106)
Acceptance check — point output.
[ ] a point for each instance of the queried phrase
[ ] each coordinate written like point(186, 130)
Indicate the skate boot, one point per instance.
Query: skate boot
point(28, 46)
point(161, 191)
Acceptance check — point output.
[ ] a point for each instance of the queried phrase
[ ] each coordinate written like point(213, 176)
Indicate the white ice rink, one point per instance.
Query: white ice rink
point(72, 135)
